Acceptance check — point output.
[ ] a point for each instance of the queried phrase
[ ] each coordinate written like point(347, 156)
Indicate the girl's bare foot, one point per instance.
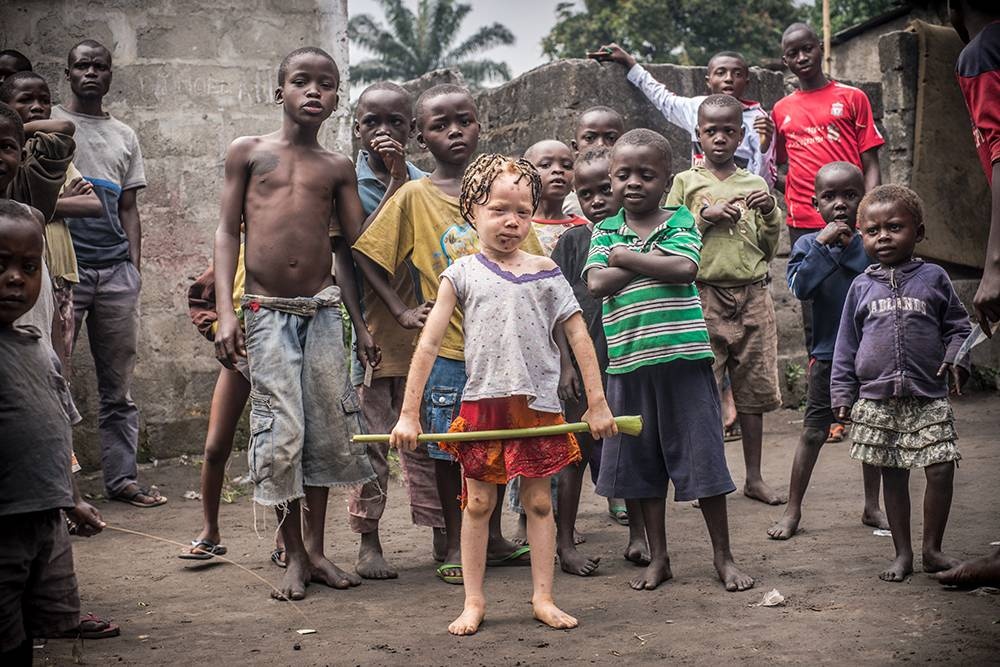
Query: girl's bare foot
point(731, 576)
point(761, 491)
point(637, 552)
point(935, 561)
point(785, 527)
point(899, 570)
point(470, 620)
point(323, 571)
point(655, 574)
point(293, 583)
point(573, 562)
point(875, 518)
point(548, 613)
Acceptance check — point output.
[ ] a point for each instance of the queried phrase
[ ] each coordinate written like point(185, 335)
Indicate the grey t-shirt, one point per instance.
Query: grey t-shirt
point(35, 445)
point(508, 323)
point(108, 155)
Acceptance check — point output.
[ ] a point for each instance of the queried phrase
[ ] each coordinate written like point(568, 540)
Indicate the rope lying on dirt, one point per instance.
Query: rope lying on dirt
point(630, 425)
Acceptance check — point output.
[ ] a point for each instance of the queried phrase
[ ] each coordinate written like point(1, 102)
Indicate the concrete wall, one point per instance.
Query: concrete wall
point(190, 77)
point(857, 58)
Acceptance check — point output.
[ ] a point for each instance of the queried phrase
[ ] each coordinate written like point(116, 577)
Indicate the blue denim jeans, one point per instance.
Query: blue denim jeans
point(442, 400)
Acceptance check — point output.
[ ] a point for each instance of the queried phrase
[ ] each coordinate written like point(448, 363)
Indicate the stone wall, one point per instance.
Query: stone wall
point(189, 77)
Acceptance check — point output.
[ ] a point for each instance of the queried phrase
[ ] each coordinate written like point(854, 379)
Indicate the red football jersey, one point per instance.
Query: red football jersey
point(978, 72)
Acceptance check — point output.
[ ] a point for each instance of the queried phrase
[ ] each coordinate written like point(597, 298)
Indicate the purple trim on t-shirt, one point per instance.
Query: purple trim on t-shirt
point(523, 278)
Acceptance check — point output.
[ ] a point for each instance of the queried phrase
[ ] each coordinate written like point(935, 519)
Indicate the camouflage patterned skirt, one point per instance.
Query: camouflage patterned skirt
point(907, 432)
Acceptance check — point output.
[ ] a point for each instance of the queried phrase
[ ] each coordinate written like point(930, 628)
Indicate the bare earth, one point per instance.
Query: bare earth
point(172, 612)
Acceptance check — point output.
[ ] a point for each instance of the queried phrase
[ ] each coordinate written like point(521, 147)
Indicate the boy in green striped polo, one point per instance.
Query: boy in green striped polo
point(643, 263)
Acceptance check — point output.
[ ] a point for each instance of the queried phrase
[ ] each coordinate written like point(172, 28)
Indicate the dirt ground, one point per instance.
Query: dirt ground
point(172, 612)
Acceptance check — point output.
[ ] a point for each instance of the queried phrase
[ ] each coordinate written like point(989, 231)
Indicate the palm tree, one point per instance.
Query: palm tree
point(416, 44)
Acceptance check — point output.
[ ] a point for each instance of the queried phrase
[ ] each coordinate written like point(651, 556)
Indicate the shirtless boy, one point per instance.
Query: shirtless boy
point(295, 197)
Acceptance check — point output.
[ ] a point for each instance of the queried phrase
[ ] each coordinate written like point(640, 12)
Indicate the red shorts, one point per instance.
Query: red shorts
point(498, 461)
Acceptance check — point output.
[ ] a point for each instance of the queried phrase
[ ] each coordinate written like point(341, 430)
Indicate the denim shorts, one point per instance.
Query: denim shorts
point(303, 408)
point(442, 400)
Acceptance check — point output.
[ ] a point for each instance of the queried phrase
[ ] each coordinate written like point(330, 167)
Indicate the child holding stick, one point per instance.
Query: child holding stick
point(512, 302)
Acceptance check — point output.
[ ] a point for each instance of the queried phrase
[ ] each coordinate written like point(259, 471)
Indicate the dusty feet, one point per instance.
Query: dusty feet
point(731, 576)
point(898, 570)
point(785, 527)
point(548, 613)
point(371, 561)
point(637, 552)
point(983, 571)
point(297, 576)
point(323, 571)
point(655, 574)
point(759, 490)
point(573, 562)
point(875, 518)
point(470, 620)
point(935, 561)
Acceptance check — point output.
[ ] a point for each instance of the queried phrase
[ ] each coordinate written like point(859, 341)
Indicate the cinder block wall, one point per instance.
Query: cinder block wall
point(190, 77)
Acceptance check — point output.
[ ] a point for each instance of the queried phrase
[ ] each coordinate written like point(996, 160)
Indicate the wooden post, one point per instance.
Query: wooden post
point(827, 54)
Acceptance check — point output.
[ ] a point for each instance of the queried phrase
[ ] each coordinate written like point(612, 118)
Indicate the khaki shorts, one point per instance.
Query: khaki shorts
point(744, 339)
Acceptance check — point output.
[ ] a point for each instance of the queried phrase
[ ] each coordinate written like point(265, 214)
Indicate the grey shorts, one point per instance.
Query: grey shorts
point(303, 408)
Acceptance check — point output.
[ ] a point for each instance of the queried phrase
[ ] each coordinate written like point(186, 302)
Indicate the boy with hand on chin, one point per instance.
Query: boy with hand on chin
point(739, 221)
point(643, 263)
point(296, 199)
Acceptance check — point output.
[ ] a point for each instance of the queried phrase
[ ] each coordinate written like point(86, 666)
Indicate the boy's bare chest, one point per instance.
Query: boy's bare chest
point(276, 172)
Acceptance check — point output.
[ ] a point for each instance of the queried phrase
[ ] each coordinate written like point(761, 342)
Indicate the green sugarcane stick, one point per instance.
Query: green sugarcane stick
point(629, 425)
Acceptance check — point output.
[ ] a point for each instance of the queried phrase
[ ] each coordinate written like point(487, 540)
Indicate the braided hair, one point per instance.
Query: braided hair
point(484, 171)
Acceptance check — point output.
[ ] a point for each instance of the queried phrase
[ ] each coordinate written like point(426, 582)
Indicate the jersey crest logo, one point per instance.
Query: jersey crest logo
point(837, 109)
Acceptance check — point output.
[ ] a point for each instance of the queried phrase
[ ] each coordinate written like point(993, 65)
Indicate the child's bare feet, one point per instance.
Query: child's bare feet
point(323, 571)
point(984, 571)
point(785, 527)
point(470, 620)
point(935, 561)
point(656, 573)
point(875, 518)
point(637, 552)
point(297, 576)
point(548, 613)
point(898, 570)
point(371, 561)
point(573, 562)
point(578, 538)
point(731, 576)
point(760, 490)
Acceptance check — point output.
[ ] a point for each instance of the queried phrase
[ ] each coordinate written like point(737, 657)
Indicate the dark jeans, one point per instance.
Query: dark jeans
point(795, 233)
point(107, 299)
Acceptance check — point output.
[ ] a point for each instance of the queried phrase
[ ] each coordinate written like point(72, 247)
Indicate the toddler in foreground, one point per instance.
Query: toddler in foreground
point(512, 302)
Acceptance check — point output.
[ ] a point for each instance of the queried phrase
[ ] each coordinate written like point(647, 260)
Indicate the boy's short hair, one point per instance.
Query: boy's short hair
point(484, 171)
point(15, 210)
point(796, 27)
point(592, 156)
point(8, 115)
point(835, 167)
point(437, 91)
point(894, 193)
point(91, 43)
point(7, 87)
point(645, 137)
point(23, 64)
point(310, 50)
point(722, 101)
point(386, 85)
point(600, 108)
point(729, 54)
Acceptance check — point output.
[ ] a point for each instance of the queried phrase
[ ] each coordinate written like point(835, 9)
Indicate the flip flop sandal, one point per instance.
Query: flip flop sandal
point(836, 434)
point(513, 559)
point(130, 498)
point(732, 433)
point(202, 550)
point(93, 627)
point(450, 578)
point(276, 556)
point(619, 513)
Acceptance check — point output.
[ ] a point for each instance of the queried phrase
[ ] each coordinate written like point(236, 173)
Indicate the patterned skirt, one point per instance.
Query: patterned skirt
point(908, 432)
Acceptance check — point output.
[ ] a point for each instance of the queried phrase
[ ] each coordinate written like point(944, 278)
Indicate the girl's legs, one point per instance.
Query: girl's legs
point(654, 518)
point(536, 497)
point(896, 489)
point(482, 498)
point(937, 505)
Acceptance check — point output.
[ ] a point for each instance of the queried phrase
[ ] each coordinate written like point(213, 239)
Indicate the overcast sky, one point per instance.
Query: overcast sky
point(529, 20)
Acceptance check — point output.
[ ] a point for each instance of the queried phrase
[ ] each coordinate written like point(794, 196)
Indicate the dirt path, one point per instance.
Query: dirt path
point(837, 609)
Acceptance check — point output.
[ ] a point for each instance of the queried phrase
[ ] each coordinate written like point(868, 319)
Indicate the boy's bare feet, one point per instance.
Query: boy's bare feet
point(759, 490)
point(323, 571)
point(875, 518)
point(656, 573)
point(573, 562)
point(935, 561)
point(983, 571)
point(297, 576)
point(731, 576)
point(371, 561)
point(548, 613)
point(899, 570)
point(785, 527)
point(471, 618)
point(637, 552)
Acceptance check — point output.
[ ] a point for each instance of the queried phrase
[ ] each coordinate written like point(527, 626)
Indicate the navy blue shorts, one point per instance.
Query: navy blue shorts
point(681, 439)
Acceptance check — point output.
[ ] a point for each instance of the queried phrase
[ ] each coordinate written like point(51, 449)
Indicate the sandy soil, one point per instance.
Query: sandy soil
point(172, 612)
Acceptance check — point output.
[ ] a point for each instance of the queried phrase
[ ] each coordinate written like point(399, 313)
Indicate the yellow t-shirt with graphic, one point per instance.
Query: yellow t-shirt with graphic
point(422, 223)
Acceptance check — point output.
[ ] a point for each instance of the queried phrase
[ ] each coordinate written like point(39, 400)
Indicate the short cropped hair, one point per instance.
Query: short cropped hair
point(838, 167)
point(728, 54)
point(310, 50)
point(600, 108)
point(389, 86)
point(437, 91)
point(90, 43)
point(645, 137)
point(7, 87)
point(23, 64)
point(722, 101)
point(894, 193)
point(10, 209)
point(592, 156)
point(796, 27)
point(482, 174)
point(14, 118)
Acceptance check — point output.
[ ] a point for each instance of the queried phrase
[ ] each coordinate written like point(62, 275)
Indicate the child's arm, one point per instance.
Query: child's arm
point(673, 269)
point(780, 155)
point(78, 200)
point(598, 415)
point(955, 328)
point(608, 281)
point(404, 434)
point(769, 221)
point(569, 381)
point(987, 300)
point(843, 376)
point(50, 125)
point(871, 169)
point(368, 351)
point(229, 343)
point(393, 155)
point(809, 265)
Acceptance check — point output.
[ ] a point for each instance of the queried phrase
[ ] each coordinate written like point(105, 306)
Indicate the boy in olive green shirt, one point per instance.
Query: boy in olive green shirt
point(739, 221)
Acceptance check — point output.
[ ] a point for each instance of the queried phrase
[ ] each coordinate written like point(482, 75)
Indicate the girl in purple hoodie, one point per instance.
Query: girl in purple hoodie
point(899, 335)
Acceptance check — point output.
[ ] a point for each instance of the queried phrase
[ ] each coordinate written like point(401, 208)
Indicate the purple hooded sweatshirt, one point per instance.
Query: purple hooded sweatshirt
point(899, 325)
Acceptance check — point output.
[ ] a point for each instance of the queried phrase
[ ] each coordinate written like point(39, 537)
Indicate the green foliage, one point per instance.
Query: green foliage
point(414, 44)
point(686, 32)
point(847, 13)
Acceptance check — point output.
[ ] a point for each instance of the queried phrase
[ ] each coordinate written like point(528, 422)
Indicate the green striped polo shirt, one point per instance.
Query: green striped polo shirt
point(649, 321)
